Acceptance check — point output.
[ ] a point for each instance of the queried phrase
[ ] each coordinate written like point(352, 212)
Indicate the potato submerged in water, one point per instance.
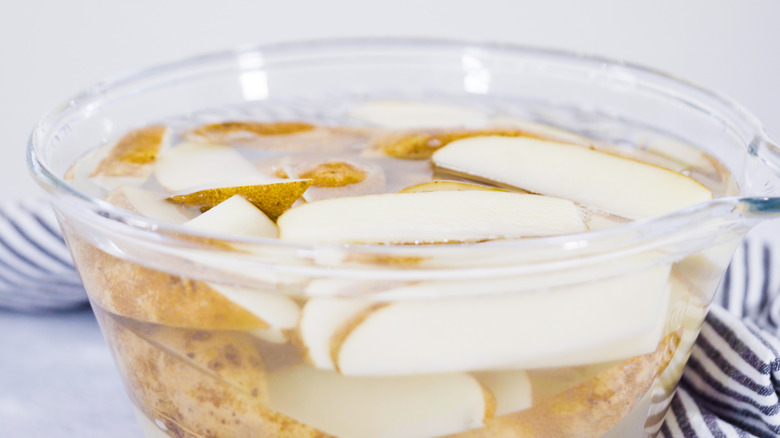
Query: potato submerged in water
point(313, 335)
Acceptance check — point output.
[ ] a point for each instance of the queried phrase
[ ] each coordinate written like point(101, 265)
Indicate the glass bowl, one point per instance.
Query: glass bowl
point(583, 335)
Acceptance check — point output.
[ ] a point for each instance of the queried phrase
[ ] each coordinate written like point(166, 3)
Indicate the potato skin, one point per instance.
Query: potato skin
point(140, 293)
point(179, 384)
point(588, 410)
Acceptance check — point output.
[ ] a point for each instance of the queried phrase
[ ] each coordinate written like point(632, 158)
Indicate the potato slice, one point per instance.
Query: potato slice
point(685, 318)
point(511, 388)
point(127, 162)
point(357, 407)
point(588, 410)
point(337, 178)
point(189, 400)
point(436, 186)
point(557, 327)
point(333, 174)
point(158, 297)
point(133, 154)
point(399, 114)
point(228, 356)
point(189, 165)
point(321, 318)
point(277, 310)
point(433, 217)
point(219, 131)
point(617, 185)
point(288, 136)
point(145, 294)
point(419, 145)
point(235, 215)
point(147, 203)
point(271, 198)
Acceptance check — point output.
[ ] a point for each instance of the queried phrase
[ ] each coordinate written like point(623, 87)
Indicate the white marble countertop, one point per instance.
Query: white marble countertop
point(57, 379)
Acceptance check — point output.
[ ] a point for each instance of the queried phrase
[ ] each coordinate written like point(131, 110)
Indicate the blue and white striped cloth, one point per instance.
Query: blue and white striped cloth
point(36, 270)
point(730, 387)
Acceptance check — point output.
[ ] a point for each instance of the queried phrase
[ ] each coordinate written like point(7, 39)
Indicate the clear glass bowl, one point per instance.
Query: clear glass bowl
point(577, 336)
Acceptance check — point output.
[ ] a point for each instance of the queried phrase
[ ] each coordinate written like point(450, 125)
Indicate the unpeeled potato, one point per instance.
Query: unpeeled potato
point(190, 397)
point(588, 410)
point(137, 292)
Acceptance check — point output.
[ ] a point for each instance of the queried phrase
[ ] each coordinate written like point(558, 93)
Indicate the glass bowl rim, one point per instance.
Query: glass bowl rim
point(641, 230)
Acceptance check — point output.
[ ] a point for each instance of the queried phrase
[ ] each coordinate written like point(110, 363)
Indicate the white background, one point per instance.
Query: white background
point(51, 49)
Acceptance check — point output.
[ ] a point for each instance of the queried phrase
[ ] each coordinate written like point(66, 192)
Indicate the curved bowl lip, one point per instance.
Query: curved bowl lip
point(136, 223)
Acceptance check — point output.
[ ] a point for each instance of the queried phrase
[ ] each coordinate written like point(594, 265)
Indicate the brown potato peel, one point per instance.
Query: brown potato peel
point(190, 401)
point(333, 174)
point(217, 131)
point(589, 409)
point(273, 199)
point(132, 152)
point(422, 145)
point(288, 136)
point(144, 294)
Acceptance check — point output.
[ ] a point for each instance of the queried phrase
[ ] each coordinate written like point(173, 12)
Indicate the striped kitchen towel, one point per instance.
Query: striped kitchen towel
point(36, 270)
point(730, 387)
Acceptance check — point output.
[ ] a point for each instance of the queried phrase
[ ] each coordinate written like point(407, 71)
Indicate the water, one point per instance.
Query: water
point(596, 354)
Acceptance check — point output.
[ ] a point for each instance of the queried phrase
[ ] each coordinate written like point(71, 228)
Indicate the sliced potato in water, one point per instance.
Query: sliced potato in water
point(189, 165)
point(271, 198)
point(431, 217)
point(443, 185)
point(134, 152)
point(617, 185)
point(357, 407)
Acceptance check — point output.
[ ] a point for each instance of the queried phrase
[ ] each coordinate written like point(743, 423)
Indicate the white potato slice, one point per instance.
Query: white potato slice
point(373, 183)
point(147, 203)
point(380, 407)
point(321, 318)
point(511, 388)
point(415, 115)
point(189, 165)
point(430, 217)
point(238, 216)
point(686, 315)
point(505, 331)
point(617, 185)
point(235, 216)
point(279, 311)
point(638, 344)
